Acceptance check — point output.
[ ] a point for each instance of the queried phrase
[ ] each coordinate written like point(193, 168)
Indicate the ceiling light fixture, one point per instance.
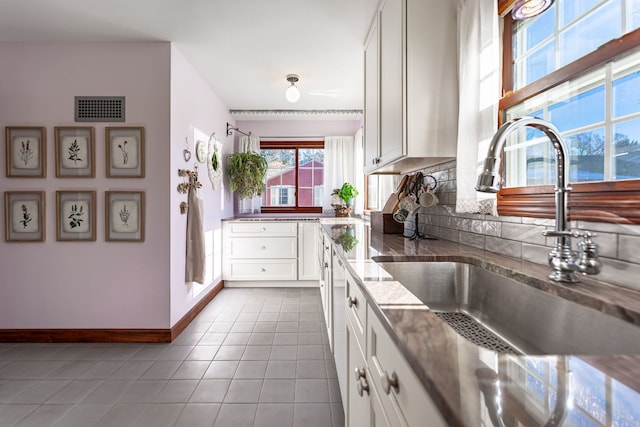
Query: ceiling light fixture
point(525, 9)
point(293, 93)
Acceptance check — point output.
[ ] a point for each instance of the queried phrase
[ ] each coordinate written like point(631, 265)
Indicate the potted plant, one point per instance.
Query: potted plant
point(246, 174)
point(347, 193)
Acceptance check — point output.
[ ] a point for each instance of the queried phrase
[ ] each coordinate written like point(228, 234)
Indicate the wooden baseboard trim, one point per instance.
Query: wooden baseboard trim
point(195, 310)
point(109, 335)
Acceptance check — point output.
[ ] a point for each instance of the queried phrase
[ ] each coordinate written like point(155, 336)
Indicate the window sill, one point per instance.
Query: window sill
point(613, 202)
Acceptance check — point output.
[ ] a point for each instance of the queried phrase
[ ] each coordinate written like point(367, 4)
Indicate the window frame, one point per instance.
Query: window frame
point(608, 201)
point(288, 145)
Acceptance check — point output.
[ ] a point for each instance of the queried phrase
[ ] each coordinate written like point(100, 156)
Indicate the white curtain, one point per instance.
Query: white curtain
point(343, 162)
point(479, 88)
point(253, 205)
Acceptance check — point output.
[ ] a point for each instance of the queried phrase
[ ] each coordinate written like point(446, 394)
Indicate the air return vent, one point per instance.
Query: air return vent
point(99, 108)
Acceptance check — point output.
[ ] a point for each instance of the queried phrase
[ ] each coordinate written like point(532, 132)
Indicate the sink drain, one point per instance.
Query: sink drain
point(473, 331)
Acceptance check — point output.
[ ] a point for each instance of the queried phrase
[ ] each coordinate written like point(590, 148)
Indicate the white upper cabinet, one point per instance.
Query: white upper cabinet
point(411, 89)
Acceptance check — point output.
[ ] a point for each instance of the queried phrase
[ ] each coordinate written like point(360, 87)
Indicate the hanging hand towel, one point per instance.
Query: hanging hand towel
point(194, 271)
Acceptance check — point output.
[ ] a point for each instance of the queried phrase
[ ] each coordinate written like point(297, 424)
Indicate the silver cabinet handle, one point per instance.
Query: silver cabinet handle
point(263, 247)
point(351, 301)
point(363, 386)
point(263, 269)
point(263, 229)
point(326, 265)
point(389, 382)
point(360, 373)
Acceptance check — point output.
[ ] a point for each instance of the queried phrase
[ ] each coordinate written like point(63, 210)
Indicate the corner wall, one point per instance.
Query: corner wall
point(196, 112)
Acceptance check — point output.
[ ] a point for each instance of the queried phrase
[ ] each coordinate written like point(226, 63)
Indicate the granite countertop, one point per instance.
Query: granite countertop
point(469, 383)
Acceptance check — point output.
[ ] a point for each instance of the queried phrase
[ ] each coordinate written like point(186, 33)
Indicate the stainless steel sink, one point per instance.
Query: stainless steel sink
point(509, 316)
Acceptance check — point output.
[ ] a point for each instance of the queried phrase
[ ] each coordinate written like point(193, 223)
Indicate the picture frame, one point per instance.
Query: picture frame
point(75, 215)
point(75, 151)
point(125, 152)
point(24, 216)
point(124, 219)
point(26, 151)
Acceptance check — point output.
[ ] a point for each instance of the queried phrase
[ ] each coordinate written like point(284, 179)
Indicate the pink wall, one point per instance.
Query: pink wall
point(88, 284)
point(194, 107)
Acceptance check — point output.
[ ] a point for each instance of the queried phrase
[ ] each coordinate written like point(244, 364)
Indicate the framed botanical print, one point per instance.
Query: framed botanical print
point(25, 151)
point(124, 219)
point(76, 215)
point(75, 153)
point(125, 152)
point(24, 216)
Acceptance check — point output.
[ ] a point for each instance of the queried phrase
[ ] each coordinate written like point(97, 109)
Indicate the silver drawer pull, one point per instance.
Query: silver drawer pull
point(263, 247)
point(363, 386)
point(264, 270)
point(360, 373)
point(263, 229)
point(389, 382)
point(351, 301)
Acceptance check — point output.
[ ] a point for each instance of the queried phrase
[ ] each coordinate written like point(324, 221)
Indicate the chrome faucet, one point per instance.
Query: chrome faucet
point(564, 262)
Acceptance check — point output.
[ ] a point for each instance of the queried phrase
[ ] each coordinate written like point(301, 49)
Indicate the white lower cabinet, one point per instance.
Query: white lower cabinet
point(308, 251)
point(362, 402)
point(404, 399)
point(269, 251)
point(382, 389)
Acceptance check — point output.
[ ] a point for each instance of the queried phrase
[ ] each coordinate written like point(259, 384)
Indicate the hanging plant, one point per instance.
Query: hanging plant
point(246, 174)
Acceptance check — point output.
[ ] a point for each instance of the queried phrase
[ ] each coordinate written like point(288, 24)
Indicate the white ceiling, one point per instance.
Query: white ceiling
point(243, 48)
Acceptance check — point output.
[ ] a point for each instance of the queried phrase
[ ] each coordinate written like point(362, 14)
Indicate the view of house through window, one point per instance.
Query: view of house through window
point(295, 176)
point(597, 112)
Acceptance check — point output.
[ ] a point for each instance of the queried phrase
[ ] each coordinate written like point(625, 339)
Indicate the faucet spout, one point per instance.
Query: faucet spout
point(561, 258)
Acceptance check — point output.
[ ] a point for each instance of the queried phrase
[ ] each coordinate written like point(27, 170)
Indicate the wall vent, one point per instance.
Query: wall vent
point(99, 108)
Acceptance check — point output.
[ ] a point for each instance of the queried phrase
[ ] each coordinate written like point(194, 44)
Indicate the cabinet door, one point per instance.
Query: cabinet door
point(404, 399)
point(360, 410)
point(308, 268)
point(358, 407)
point(371, 109)
point(392, 83)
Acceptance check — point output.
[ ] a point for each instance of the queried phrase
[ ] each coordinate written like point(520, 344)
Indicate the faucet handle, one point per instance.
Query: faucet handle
point(588, 260)
point(561, 233)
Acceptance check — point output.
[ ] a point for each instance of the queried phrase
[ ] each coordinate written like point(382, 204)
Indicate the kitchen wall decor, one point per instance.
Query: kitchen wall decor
point(25, 151)
point(75, 215)
point(75, 152)
point(24, 216)
point(124, 220)
point(125, 152)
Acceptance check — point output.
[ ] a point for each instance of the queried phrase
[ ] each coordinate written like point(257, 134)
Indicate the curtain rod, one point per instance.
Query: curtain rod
point(233, 128)
point(292, 137)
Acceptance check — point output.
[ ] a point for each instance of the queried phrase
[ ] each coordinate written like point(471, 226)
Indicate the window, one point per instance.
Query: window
point(379, 188)
point(295, 176)
point(578, 66)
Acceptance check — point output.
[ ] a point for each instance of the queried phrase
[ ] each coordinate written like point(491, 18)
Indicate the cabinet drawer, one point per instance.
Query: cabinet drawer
point(408, 404)
point(262, 247)
point(356, 306)
point(261, 228)
point(261, 270)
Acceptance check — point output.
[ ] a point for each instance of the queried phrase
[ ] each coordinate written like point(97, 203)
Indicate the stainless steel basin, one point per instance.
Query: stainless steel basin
point(509, 316)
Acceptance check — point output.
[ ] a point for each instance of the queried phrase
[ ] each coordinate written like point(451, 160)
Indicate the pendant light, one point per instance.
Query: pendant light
point(524, 9)
point(292, 94)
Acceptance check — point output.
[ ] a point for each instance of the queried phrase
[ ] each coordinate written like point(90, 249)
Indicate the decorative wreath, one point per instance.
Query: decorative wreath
point(214, 165)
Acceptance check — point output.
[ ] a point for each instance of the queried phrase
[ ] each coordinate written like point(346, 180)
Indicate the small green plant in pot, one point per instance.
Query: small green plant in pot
point(347, 193)
point(246, 174)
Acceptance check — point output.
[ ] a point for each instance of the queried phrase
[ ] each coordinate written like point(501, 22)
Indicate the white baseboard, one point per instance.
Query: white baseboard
point(271, 284)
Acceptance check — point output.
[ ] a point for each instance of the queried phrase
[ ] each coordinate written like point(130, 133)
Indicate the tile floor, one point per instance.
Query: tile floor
point(253, 357)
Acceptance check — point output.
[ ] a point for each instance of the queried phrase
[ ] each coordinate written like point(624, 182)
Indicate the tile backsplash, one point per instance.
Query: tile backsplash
point(521, 237)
